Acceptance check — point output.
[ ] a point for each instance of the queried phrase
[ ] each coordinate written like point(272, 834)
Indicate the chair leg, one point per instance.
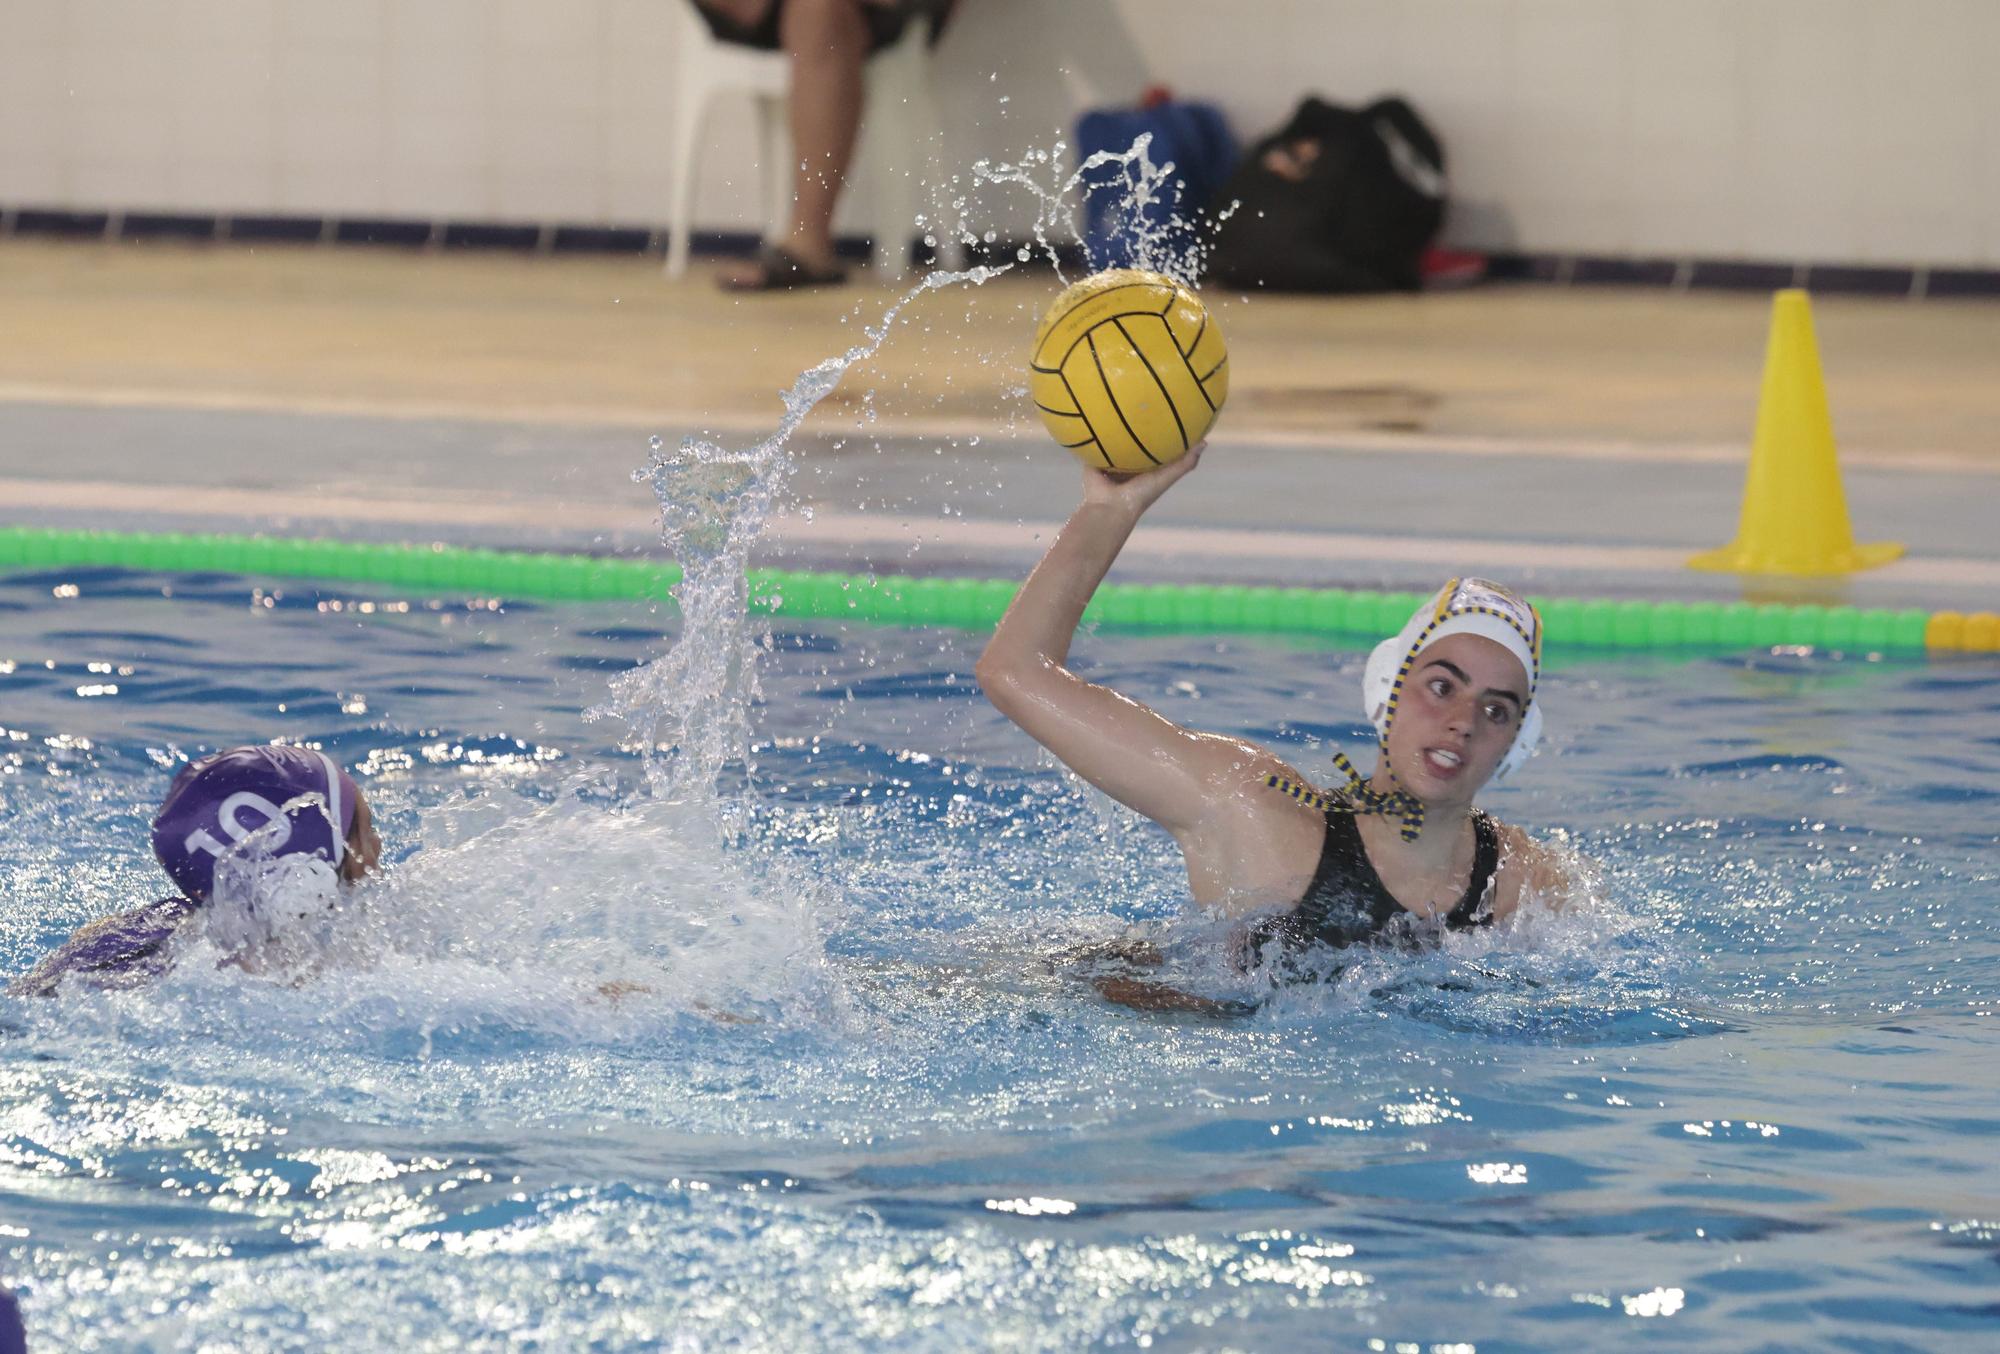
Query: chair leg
point(774, 175)
point(688, 119)
point(896, 209)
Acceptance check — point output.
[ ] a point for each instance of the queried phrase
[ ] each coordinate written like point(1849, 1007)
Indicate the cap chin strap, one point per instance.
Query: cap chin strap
point(1358, 798)
point(1398, 803)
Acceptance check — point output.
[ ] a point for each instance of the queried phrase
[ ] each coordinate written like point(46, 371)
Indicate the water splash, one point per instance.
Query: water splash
point(688, 711)
point(641, 897)
point(1132, 190)
point(520, 924)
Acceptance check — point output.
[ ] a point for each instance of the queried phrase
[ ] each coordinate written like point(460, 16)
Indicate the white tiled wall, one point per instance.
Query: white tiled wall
point(1835, 130)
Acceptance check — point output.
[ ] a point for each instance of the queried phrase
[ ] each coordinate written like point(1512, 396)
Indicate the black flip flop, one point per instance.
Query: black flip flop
point(778, 269)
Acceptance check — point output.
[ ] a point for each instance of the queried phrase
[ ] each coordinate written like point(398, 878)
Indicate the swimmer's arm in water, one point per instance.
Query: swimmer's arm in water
point(618, 989)
point(1141, 995)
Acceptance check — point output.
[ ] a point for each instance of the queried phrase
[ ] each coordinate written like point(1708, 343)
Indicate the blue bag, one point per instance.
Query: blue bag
point(1193, 137)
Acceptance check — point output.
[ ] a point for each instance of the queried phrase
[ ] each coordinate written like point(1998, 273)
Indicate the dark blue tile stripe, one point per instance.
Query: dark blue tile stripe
point(165, 225)
point(485, 235)
point(1583, 270)
point(606, 240)
point(33, 221)
point(410, 233)
point(276, 229)
point(1736, 275)
point(1963, 282)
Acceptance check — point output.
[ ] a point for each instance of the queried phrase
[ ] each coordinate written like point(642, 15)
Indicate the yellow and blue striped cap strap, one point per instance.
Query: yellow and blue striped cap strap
point(1357, 797)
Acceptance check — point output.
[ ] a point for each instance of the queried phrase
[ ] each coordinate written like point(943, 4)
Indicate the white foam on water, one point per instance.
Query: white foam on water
point(548, 925)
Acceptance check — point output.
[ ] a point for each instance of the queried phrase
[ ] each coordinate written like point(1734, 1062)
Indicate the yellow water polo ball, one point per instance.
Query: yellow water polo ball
point(1129, 370)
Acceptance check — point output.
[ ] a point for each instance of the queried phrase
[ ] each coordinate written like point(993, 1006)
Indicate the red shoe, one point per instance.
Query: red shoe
point(1440, 267)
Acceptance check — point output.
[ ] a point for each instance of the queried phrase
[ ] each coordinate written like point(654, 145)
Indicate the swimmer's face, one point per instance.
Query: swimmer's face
point(1459, 712)
point(364, 844)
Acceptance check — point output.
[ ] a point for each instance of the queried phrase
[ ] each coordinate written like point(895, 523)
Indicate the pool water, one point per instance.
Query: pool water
point(839, 1095)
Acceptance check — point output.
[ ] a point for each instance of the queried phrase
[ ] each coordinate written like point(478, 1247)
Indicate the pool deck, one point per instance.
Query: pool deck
point(1582, 442)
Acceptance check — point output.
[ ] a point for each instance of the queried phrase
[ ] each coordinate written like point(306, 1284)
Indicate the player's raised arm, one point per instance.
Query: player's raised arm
point(1125, 749)
point(1128, 371)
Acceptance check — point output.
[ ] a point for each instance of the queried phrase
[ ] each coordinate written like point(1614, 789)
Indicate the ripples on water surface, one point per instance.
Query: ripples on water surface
point(1750, 1098)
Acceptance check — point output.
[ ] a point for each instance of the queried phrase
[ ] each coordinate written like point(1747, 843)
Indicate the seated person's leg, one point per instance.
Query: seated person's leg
point(828, 41)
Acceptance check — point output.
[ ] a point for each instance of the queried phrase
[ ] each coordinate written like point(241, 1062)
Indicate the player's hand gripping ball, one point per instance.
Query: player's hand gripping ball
point(1129, 370)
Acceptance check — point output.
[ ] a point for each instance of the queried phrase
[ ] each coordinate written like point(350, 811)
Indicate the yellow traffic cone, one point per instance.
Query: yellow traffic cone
point(1794, 512)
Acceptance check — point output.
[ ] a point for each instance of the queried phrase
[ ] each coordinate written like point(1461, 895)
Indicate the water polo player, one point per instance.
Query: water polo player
point(1397, 856)
point(278, 805)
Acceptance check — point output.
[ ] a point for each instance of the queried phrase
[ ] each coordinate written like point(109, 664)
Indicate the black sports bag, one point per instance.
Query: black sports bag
point(1338, 200)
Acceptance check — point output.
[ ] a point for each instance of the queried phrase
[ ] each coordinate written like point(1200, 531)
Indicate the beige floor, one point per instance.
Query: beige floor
point(609, 341)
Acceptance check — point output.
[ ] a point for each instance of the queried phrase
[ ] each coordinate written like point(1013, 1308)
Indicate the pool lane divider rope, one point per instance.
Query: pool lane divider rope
point(969, 603)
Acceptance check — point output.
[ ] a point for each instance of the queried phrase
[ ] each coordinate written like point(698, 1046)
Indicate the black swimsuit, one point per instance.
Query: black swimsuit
point(1346, 904)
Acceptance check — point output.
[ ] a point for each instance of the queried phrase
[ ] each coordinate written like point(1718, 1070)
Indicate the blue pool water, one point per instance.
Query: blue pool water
point(1747, 1100)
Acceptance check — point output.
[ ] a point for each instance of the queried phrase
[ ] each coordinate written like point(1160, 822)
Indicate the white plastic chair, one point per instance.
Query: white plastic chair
point(901, 109)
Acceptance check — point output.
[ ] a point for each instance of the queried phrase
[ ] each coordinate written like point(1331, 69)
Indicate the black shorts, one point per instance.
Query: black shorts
point(885, 23)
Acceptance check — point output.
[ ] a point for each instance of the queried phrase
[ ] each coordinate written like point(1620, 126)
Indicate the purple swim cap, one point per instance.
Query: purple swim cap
point(218, 801)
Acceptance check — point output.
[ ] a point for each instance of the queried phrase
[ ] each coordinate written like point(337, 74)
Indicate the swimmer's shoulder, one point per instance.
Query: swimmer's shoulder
point(1246, 782)
point(1227, 760)
point(1258, 843)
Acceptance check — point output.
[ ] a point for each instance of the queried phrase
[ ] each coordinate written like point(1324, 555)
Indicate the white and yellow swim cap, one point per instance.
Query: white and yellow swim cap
point(1464, 606)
